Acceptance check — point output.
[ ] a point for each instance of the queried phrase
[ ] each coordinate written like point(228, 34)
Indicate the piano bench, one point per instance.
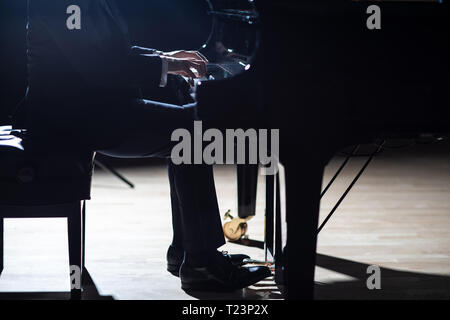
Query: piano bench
point(44, 185)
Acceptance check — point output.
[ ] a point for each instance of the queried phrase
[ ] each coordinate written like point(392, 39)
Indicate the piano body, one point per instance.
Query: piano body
point(326, 81)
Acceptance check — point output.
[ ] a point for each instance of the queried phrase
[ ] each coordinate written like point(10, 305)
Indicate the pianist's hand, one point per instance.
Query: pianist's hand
point(190, 64)
point(183, 54)
point(187, 68)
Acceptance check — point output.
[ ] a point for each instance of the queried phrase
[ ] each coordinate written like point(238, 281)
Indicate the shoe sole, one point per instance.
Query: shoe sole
point(213, 286)
point(174, 269)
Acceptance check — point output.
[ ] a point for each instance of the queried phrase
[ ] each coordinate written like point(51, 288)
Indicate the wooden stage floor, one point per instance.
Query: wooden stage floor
point(397, 217)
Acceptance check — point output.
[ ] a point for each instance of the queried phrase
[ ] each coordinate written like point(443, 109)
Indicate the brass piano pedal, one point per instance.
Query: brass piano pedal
point(235, 229)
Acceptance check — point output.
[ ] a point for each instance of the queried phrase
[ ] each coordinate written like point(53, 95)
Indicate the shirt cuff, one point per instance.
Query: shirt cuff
point(165, 70)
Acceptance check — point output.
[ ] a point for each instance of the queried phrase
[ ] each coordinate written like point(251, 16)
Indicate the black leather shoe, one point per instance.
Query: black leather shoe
point(220, 275)
point(175, 259)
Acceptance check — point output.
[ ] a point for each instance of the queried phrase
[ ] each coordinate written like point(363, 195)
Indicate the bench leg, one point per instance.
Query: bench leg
point(75, 234)
point(1, 244)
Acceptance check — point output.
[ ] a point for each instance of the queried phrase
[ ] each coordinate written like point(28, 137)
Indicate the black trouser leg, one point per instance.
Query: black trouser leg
point(247, 180)
point(177, 240)
point(199, 218)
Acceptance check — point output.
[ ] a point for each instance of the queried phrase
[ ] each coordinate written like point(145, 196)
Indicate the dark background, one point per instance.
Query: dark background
point(161, 24)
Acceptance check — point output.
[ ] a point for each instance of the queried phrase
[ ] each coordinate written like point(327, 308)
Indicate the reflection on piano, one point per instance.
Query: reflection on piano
point(234, 38)
point(233, 42)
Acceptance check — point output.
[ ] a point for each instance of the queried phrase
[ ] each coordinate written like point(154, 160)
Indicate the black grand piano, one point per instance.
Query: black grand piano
point(315, 70)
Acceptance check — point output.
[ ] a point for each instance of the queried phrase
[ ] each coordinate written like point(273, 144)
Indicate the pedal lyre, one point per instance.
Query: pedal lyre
point(236, 228)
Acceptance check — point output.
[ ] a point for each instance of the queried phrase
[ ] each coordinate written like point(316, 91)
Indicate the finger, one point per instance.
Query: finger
point(188, 70)
point(198, 56)
point(193, 55)
point(195, 60)
point(203, 69)
point(202, 57)
point(185, 74)
point(200, 68)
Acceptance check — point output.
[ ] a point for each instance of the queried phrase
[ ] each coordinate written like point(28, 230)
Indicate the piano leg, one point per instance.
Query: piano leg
point(303, 185)
point(247, 180)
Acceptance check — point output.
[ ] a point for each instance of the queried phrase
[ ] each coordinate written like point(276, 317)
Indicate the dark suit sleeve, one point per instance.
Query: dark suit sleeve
point(144, 69)
point(99, 51)
point(142, 50)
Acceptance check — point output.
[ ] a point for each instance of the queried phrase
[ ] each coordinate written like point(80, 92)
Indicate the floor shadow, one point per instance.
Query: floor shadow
point(395, 284)
point(90, 292)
